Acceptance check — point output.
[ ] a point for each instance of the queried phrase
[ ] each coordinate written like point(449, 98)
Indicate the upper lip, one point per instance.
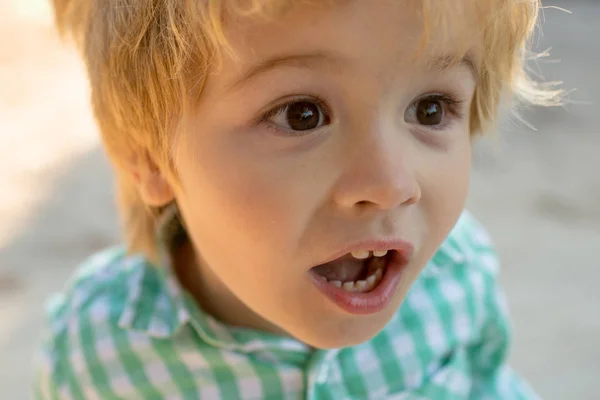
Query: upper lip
point(401, 246)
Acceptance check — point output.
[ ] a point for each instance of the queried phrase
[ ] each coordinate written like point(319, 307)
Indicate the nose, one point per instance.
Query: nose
point(377, 174)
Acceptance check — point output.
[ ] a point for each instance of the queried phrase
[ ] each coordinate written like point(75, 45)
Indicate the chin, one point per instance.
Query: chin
point(343, 334)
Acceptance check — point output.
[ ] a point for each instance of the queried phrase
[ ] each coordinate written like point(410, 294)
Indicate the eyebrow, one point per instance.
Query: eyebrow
point(326, 59)
point(445, 62)
point(308, 60)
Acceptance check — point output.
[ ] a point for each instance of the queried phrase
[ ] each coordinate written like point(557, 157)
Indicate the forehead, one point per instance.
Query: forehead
point(407, 31)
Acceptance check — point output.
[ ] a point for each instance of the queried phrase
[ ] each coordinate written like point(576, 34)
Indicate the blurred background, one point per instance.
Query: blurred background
point(537, 190)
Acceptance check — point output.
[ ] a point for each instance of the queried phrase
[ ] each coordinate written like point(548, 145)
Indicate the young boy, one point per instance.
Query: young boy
point(292, 177)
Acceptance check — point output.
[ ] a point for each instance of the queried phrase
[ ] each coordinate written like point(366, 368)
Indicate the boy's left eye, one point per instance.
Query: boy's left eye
point(432, 111)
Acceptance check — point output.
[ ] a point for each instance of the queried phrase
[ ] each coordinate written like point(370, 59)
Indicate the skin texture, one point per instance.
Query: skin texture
point(263, 206)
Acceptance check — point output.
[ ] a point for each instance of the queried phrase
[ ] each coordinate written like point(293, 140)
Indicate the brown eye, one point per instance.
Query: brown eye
point(435, 111)
point(430, 112)
point(303, 115)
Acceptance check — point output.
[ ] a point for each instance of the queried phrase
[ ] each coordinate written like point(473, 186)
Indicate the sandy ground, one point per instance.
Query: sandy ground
point(537, 191)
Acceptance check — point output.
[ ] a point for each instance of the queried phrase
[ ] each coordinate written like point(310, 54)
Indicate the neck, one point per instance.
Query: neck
point(212, 296)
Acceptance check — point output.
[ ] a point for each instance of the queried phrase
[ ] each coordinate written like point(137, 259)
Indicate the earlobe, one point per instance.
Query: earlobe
point(154, 188)
point(156, 191)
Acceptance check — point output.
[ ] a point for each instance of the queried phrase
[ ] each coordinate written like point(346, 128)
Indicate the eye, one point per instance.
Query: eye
point(298, 115)
point(432, 111)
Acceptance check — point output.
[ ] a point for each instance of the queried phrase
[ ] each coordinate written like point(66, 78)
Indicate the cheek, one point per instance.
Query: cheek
point(231, 201)
point(452, 183)
point(445, 189)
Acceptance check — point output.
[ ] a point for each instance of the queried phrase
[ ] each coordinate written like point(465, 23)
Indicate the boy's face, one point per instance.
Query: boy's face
point(325, 136)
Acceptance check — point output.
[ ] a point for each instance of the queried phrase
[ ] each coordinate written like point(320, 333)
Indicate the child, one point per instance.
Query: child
point(292, 176)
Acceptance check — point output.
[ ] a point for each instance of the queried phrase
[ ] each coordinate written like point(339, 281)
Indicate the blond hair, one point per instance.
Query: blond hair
point(147, 61)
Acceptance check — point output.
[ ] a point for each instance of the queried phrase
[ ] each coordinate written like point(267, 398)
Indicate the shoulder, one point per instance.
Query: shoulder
point(450, 299)
point(453, 326)
point(101, 328)
point(99, 291)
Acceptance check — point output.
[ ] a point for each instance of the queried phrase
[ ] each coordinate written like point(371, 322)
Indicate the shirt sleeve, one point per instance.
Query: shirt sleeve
point(493, 378)
point(44, 387)
point(49, 371)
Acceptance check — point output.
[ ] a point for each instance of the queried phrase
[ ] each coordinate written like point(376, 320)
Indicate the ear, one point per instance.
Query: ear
point(154, 189)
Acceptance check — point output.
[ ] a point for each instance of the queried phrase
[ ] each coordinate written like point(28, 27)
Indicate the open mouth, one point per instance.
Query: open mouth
point(364, 281)
point(358, 272)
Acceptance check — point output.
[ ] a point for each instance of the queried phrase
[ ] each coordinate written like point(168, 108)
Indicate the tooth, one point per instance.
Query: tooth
point(361, 285)
point(378, 274)
point(361, 254)
point(371, 280)
point(337, 284)
point(321, 277)
point(349, 287)
point(380, 253)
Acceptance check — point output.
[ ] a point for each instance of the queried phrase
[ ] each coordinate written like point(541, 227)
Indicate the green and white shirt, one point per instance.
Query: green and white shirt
point(124, 329)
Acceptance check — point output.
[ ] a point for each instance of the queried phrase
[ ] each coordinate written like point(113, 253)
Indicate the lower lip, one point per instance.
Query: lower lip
point(370, 302)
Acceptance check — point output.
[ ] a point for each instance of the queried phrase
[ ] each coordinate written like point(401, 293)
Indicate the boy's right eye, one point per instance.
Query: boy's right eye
point(296, 117)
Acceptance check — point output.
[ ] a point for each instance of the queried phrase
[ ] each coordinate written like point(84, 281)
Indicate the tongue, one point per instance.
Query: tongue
point(345, 269)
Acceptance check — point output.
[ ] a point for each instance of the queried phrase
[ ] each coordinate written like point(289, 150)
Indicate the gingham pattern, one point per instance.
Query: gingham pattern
point(123, 329)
